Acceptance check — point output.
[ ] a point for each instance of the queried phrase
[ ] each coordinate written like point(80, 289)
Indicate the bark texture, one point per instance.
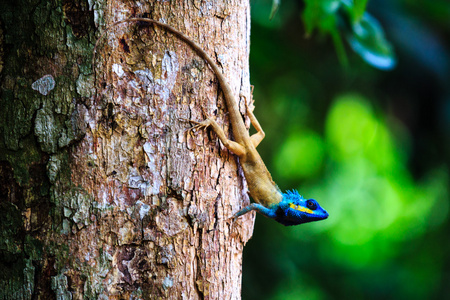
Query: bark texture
point(104, 193)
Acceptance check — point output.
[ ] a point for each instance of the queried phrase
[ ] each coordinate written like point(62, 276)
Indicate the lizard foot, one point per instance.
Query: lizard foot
point(233, 146)
point(201, 125)
point(198, 125)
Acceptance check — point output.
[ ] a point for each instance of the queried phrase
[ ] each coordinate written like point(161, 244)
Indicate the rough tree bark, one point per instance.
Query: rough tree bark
point(103, 192)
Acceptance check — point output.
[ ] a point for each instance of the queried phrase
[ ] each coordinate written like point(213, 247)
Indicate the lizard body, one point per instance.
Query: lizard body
point(287, 208)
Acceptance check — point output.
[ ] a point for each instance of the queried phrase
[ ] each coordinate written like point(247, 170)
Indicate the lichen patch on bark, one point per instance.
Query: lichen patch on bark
point(44, 84)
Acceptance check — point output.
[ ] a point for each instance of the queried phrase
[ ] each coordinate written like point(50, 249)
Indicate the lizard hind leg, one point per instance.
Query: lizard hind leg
point(233, 146)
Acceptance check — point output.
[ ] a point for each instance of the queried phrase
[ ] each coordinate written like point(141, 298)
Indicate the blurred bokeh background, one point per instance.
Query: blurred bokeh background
point(372, 146)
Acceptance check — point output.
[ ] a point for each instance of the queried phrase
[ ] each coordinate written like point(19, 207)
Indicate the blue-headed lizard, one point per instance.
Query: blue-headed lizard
point(287, 208)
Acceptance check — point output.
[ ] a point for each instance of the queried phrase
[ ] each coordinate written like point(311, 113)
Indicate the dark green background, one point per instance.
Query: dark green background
point(372, 146)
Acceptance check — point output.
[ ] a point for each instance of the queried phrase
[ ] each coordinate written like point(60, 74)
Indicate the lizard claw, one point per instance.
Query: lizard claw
point(198, 125)
point(201, 125)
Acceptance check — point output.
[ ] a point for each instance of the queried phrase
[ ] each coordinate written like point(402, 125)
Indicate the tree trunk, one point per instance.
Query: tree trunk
point(103, 191)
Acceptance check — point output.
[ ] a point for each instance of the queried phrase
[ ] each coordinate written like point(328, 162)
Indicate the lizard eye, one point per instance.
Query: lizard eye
point(311, 204)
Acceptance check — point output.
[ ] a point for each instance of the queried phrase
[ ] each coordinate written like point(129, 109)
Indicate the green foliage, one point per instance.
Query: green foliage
point(321, 15)
point(363, 32)
point(374, 204)
point(366, 37)
point(300, 156)
point(376, 192)
point(372, 147)
point(348, 19)
point(359, 8)
point(368, 173)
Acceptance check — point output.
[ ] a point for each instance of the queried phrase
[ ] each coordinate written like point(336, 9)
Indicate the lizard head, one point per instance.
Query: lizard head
point(294, 210)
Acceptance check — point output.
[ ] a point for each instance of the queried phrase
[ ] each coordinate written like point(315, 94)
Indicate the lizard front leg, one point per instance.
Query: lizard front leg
point(270, 213)
point(233, 146)
point(259, 135)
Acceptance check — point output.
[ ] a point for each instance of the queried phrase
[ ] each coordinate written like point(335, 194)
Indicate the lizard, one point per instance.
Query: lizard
point(288, 208)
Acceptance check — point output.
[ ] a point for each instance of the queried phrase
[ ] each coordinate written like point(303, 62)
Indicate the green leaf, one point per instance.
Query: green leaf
point(321, 15)
point(355, 8)
point(359, 8)
point(340, 49)
point(362, 31)
point(275, 6)
point(366, 38)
